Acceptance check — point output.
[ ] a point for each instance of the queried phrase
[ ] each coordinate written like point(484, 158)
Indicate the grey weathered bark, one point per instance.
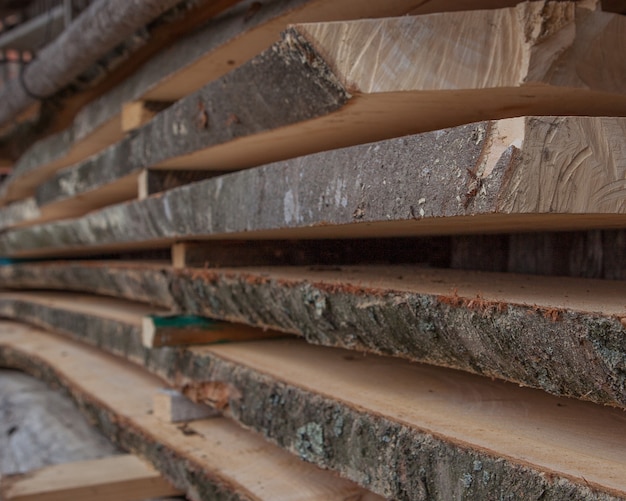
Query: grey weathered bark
point(98, 29)
point(546, 340)
point(474, 178)
point(362, 439)
point(202, 458)
point(263, 111)
point(18, 213)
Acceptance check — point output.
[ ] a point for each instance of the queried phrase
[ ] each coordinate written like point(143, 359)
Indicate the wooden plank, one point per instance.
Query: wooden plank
point(132, 327)
point(199, 57)
point(124, 478)
point(209, 459)
point(172, 406)
point(368, 418)
point(561, 335)
point(184, 330)
point(138, 113)
point(338, 97)
point(478, 178)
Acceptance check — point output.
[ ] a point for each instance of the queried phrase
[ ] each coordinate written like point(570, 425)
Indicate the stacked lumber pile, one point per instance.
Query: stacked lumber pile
point(382, 258)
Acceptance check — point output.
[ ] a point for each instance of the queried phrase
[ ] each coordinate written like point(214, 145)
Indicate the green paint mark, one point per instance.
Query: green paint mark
point(185, 321)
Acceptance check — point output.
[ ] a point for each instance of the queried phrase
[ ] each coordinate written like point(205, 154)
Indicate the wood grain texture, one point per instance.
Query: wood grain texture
point(565, 336)
point(122, 477)
point(522, 174)
point(210, 459)
point(407, 432)
point(189, 63)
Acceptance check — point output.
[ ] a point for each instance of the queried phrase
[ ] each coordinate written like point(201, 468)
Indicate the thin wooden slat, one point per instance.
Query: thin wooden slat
point(208, 459)
point(123, 478)
point(133, 325)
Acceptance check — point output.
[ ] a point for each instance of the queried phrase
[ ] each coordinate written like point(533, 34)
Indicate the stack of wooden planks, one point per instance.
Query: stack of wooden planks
point(390, 243)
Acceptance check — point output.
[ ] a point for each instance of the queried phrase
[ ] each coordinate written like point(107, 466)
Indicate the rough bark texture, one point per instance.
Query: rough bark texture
point(565, 352)
point(97, 30)
point(249, 100)
point(57, 149)
point(363, 191)
point(395, 460)
point(185, 474)
point(18, 213)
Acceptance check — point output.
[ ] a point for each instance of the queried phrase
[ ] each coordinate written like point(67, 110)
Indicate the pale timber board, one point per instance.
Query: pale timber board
point(212, 459)
point(123, 478)
point(509, 422)
point(368, 417)
point(520, 174)
point(562, 335)
point(524, 60)
point(224, 43)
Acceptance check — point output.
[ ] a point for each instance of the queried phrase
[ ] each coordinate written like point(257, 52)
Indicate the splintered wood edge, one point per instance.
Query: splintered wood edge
point(118, 398)
point(123, 478)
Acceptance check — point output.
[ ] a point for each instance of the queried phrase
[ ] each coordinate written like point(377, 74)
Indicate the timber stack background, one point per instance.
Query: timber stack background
point(314, 249)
